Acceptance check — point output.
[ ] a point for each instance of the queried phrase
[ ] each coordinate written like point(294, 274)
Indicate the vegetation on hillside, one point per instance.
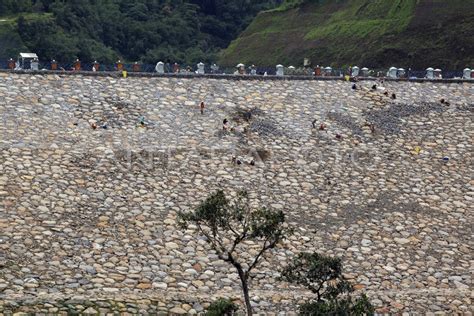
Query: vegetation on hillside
point(339, 33)
point(230, 226)
point(372, 33)
point(243, 237)
point(323, 276)
point(222, 307)
point(147, 30)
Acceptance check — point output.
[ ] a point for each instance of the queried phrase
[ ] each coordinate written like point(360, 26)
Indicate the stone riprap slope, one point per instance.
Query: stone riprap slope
point(88, 216)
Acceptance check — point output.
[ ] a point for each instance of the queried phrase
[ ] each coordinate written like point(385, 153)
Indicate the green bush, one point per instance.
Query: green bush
point(222, 307)
point(347, 306)
point(333, 293)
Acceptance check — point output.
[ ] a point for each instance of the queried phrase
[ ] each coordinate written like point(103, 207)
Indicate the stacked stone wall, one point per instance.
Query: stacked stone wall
point(93, 170)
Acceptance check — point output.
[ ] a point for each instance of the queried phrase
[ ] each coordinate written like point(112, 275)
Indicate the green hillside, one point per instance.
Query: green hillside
point(184, 31)
point(9, 38)
point(372, 33)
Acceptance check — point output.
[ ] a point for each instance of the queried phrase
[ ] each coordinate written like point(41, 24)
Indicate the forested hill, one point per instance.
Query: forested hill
point(371, 33)
point(186, 31)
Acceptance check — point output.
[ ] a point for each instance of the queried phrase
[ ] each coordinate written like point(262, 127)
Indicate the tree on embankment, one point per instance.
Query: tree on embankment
point(322, 275)
point(230, 226)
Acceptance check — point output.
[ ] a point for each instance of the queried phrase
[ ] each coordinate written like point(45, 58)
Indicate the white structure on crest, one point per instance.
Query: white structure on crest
point(280, 70)
point(200, 69)
point(430, 73)
point(365, 72)
point(392, 72)
point(24, 59)
point(292, 70)
point(160, 68)
point(355, 71)
point(466, 73)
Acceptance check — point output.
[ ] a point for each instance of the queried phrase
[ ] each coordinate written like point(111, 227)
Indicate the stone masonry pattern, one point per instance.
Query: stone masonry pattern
point(93, 171)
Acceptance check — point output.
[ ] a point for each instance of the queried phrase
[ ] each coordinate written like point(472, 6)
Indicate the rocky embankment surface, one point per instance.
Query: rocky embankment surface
point(94, 169)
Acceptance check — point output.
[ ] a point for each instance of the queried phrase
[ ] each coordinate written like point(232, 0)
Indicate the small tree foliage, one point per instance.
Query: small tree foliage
point(229, 226)
point(222, 307)
point(323, 276)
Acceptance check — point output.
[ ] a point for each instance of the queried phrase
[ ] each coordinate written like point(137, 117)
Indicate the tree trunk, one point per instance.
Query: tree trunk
point(245, 289)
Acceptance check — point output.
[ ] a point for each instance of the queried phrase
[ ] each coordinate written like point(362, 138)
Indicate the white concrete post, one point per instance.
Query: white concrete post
point(291, 70)
point(355, 71)
point(280, 70)
point(200, 69)
point(430, 73)
point(160, 67)
point(365, 72)
point(392, 72)
point(466, 73)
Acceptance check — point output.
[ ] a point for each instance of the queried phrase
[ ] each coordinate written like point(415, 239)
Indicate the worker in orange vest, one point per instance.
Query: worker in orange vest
point(119, 65)
point(317, 71)
point(77, 65)
point(136, 67)
point(11, 64)
point(96, 66)
point(54, 65)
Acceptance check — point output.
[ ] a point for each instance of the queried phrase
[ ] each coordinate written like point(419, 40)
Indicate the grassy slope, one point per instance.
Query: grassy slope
point(374, 33)
point(11, 43)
